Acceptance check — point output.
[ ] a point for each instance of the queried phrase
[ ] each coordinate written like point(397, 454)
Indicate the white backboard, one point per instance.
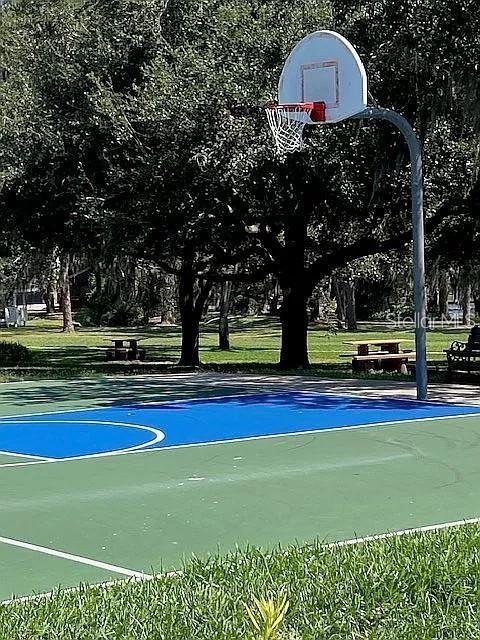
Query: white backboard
point(324, 67)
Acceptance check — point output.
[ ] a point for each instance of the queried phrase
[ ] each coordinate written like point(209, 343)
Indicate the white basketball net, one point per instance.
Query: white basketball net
point(287, 123)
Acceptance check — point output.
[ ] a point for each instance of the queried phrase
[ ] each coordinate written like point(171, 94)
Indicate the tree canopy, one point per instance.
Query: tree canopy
point(135, 130)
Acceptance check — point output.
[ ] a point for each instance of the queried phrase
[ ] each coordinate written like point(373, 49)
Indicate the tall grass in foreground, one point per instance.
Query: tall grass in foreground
point(414, 587)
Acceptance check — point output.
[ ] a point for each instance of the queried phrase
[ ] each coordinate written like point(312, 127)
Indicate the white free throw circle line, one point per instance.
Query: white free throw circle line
point(157, 433)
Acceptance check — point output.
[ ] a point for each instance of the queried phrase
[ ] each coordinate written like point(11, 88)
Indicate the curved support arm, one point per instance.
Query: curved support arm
point(415, 150)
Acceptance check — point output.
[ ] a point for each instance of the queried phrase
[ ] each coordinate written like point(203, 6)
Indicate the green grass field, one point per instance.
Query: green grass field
point(254, 342)
point(415, 587)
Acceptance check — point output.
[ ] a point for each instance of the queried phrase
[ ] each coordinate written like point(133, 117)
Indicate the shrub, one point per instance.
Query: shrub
point(123, 315)
point(84, 317)
point(100, 314)
point(13, 354)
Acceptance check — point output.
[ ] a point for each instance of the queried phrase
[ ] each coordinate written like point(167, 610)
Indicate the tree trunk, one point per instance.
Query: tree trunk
point(98, 285)
point(68, 326)
point(315, 309)
point(190, 356)
point(443, 296)
point(296, 292)
point(338, 294)
point(49, 299)
point(476, 302)
point(294, 318)
point(190, 324)
point(267, 287)
point(350, 305)
point(344, 293)
point(167, 306)
point(433, 301)
point(273, 310)
point(168, 316)
point(191, 310)
point(223, 328)
point(465, 302)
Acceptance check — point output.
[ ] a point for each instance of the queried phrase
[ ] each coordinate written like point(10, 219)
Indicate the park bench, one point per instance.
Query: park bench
point(464, 357)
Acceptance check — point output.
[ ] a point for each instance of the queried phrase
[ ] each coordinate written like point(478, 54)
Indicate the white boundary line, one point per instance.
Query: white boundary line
point(142, 449)
point(178, 574)
point(24, 455)
point(87, 586)
point(97, 585)
point(74, 558)
point(403, 532)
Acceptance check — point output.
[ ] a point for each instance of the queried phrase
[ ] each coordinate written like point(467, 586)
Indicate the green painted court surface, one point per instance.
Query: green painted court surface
point(146, 512)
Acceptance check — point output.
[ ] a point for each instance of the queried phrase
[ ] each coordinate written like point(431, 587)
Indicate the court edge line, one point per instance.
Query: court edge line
point(178, 574)
point(235, 440)
point(74, 558)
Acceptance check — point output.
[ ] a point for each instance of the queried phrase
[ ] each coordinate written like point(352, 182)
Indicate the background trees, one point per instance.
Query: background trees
point(133, 143)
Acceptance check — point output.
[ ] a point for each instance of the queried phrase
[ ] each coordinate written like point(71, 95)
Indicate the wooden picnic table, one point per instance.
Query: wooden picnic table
point(122, 343)
point(125, 349)
point(389, 357)
point(385, 344)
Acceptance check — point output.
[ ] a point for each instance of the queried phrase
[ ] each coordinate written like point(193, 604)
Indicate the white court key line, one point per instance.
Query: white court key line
point(178, 574)
point(80, 559)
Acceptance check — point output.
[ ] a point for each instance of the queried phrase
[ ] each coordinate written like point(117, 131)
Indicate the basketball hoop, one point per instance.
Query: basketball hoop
point(287, 122)
point(324, 80)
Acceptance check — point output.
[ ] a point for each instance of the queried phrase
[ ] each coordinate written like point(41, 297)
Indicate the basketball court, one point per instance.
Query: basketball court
point(114, 478)
point(124, 478)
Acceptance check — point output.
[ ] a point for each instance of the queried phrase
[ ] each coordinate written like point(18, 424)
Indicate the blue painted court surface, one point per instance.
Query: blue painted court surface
point(134, 427)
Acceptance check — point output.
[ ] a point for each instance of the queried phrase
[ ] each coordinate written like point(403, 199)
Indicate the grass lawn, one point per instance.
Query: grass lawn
point(415, 587)
point(255, 342)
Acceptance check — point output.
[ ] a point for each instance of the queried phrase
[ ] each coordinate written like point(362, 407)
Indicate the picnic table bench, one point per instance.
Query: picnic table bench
point(464, 356)
point(389, 356)
point(125, 349)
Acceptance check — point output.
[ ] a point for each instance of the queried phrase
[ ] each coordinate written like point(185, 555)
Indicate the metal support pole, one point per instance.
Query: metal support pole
point(418, 239)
